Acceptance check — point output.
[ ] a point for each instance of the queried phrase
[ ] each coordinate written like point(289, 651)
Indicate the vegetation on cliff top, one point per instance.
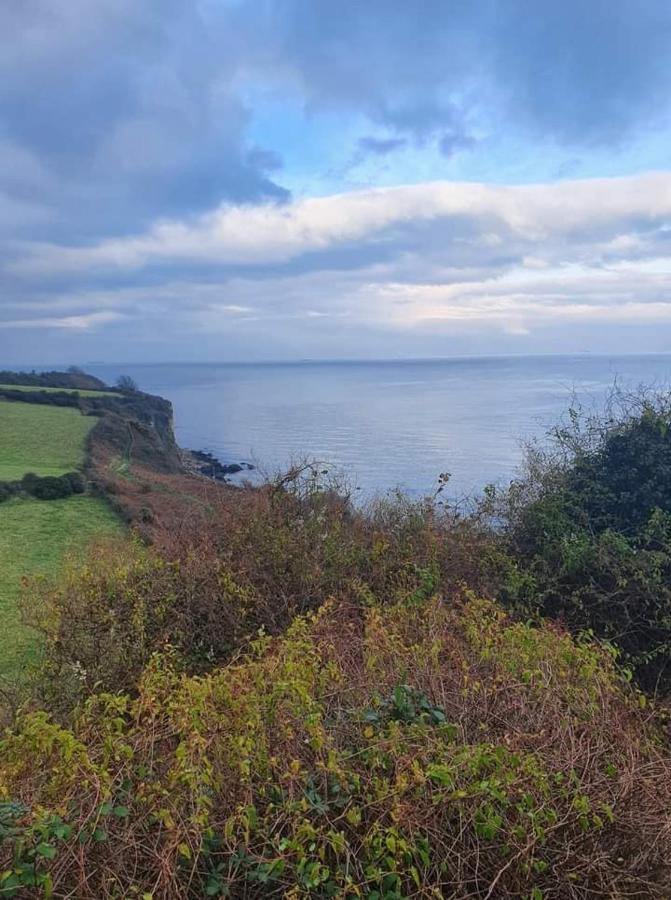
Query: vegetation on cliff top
point(287, 695)
point(26, 388)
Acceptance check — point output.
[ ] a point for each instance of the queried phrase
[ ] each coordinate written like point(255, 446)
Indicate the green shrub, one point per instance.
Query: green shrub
point(590, 530)
point(52, 487)
point(29, 481)
point(76, 482)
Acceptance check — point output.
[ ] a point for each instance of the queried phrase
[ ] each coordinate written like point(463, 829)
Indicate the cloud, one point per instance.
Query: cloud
point(380, 146)
point(576, 72)
point(147, 145)
point(626, 213)
point(442, 260)
point(118, 113)
point(77, 323)
point(126, 111)
point(452, 143)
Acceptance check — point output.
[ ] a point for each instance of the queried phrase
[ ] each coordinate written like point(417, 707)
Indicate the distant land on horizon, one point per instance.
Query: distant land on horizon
point(345, 360)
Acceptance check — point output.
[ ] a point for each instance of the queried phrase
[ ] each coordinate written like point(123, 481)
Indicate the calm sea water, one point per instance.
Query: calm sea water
point(386, 424)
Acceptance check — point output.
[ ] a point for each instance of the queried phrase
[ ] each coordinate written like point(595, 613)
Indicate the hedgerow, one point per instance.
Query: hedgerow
point(409, 750)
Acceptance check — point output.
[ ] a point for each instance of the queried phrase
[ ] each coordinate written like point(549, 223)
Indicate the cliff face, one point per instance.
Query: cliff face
point(137, 426)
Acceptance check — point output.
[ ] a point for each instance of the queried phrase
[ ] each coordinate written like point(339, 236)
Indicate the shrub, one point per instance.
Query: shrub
point(590, 528)
point(29, 481)
point(76, 482)
point(101, 622)
point(407, 750)
point(53, 487)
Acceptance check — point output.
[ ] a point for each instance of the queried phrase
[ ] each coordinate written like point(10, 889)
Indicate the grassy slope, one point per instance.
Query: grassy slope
point(35, 535)
point(52, 390)
point(47, 440)
point(34, 538)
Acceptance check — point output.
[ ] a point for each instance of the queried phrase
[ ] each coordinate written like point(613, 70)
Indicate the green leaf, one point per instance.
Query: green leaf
point(121, 812)
point(62, 831)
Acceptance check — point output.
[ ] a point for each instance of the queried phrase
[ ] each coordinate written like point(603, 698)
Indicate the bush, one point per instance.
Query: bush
point(29, 481)
point(590, 529)
point(410, 750)
point(51, 487)
point(76, 482)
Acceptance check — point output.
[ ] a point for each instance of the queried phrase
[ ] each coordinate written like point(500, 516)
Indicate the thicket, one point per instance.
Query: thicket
point(8, 489)
point(255, 562)
point(417, 749)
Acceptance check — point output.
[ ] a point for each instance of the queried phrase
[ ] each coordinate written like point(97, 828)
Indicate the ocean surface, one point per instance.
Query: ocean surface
point(386, 424)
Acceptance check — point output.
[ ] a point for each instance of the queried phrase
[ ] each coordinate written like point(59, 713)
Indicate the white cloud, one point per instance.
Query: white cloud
point(443, 258)
point(268, 234)
point(73, 323)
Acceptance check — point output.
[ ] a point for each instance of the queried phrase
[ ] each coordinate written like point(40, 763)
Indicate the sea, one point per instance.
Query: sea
point(387, 425)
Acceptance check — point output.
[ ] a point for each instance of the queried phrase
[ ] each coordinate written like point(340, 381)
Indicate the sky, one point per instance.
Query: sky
point(226, 180)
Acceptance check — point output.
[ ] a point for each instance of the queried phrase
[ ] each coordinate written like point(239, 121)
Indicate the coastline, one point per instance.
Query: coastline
point(206, 465)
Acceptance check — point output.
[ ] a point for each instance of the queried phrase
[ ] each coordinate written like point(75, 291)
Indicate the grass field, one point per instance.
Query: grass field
point(52, 390)
point(35, 536)
point(47, 440)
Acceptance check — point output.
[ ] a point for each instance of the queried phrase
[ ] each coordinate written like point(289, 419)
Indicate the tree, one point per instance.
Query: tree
point(126, 383)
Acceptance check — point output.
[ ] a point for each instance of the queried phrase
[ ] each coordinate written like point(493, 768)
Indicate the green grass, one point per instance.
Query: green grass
point(47, 440)
point(35, 536)
point(53, 390)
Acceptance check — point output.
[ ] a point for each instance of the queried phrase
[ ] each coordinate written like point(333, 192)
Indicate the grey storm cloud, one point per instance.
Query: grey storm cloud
point(577, 71)
point(124, 112)
point(115, 113)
